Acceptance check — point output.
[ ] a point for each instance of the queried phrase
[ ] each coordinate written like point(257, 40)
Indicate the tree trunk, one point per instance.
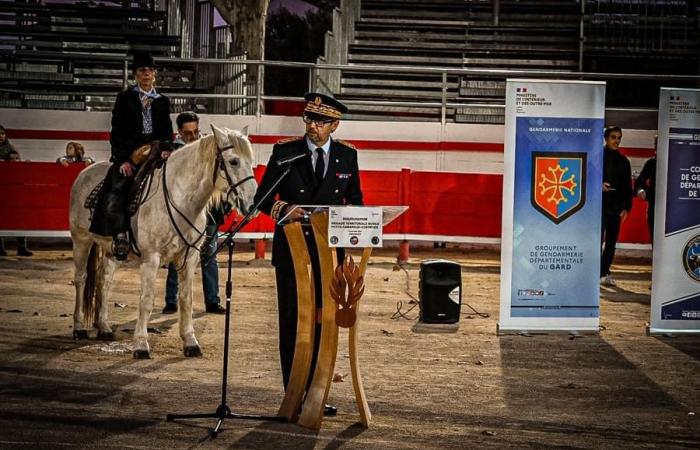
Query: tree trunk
point(246, 19)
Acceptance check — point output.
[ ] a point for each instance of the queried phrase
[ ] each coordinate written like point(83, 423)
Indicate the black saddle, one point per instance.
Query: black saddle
point(141, 181)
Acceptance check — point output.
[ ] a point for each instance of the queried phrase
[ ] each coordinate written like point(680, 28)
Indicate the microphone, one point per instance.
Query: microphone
point(291, 159)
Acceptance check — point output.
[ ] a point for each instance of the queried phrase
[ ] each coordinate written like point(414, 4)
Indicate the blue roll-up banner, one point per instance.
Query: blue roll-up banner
point(552, 194)
point(675, 281)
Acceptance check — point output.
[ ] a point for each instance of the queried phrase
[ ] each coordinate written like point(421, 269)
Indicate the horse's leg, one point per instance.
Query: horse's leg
point(149, 267)
point(185, 277)
point(81, 253)
point(104, 331)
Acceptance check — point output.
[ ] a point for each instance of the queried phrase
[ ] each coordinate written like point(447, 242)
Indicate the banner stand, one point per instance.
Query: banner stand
point(675, 286)
point(552, 204)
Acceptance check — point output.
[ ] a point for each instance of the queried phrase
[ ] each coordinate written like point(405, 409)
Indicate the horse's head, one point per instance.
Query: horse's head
point(234, 172)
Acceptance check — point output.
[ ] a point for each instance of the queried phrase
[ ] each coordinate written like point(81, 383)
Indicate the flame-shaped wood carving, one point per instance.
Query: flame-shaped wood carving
point(347, 286)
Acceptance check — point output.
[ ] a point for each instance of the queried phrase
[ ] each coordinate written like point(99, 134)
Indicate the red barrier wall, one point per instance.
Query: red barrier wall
point(35, 197)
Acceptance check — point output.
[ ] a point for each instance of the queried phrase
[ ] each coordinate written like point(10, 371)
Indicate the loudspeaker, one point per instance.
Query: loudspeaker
point(440, 291)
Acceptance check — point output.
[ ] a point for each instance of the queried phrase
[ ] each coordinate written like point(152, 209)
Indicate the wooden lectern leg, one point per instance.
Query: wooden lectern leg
point(360, 398)
point(306, 313)
point(312, 411)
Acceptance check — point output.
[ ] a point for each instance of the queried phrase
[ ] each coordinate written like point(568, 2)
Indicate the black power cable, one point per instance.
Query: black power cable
point(415, 301)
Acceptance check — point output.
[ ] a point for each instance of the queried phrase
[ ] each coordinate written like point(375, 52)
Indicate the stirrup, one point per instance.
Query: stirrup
point(120, 247)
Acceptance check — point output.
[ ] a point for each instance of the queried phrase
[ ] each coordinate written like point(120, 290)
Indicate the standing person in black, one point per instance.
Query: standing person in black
point(140, 116)
point(617, 199)
point(8, 152)
point(645, 187)
point(327, 174)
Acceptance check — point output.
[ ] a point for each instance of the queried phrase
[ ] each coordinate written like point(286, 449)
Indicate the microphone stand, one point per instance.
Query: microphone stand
point(223, 411)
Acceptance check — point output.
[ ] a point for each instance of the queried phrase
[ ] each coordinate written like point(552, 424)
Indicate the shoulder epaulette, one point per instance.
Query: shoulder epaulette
point(346, 143)
point(289, 139)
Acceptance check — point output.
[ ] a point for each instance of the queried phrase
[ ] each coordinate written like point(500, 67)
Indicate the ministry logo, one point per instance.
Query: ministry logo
point(558, 184)
point(691, 258)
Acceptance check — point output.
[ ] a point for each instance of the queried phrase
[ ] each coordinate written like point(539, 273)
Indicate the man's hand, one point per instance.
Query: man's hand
point(642, 194)
point(164, 154)
point(126, 169)
point(623, 216)
point(298, 213)
point(607, 187)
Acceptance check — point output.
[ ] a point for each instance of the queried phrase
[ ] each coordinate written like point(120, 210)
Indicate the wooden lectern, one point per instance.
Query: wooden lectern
point(333, 284)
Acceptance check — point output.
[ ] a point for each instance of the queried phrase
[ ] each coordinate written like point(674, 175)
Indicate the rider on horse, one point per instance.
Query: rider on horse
point(140, 125)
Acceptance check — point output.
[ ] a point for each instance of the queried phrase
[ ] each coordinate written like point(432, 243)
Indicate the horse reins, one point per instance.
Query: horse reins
point(219, 165)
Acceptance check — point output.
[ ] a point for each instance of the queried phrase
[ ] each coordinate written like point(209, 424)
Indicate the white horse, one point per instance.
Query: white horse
point(168, 227)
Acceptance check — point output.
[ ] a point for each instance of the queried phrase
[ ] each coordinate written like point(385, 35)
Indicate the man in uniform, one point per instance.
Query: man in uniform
point(140, 116)
point(326, 174)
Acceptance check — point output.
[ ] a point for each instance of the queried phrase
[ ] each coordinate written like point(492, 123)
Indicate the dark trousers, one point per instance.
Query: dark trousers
point(111, 215)
point(609, 234)
point(210, 271)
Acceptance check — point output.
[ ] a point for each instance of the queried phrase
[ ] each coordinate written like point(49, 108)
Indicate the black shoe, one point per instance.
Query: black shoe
point(330, 410)
point(216, 309)
point(170, 308)
point(24, 251)
point(120, 247)
point(3, 252)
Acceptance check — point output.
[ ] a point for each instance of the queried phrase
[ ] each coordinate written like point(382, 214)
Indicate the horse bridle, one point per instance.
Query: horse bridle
point(219, 165)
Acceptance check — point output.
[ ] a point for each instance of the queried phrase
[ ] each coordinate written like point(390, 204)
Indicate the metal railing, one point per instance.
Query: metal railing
point(249, 99)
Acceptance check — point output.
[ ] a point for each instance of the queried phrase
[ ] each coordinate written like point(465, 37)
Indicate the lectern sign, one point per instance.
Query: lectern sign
point(355, 226)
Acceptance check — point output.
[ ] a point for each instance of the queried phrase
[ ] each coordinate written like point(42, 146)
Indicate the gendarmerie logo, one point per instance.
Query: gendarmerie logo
point(691, 258)
point(558, 184)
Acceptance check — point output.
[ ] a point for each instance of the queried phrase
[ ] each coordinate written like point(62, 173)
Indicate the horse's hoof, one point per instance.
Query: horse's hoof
point(105, 335)
point(193, 351)
point(80, 334)
point(142, 354)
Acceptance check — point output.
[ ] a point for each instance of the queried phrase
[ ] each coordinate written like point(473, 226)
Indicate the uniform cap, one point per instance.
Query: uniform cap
point(324, 105)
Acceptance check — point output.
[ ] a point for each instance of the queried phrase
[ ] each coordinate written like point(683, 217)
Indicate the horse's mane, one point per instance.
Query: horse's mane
point(207, 147)
point(207, 150)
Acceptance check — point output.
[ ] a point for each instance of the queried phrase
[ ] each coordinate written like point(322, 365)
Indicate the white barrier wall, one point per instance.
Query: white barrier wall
point(422, 146)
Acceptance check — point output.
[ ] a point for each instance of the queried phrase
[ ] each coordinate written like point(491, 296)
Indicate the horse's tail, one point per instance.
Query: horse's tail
point(91, 307)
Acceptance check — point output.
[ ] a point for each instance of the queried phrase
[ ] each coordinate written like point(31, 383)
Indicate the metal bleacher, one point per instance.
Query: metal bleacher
point(458, 34)
point(71, 55)
point(61, 55)
point(427, 60)
point(479, 36)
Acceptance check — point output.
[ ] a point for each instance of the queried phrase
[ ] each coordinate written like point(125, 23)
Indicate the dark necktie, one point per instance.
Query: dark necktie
point(320, 166)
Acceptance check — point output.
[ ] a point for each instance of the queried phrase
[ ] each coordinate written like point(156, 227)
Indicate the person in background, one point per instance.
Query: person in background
point(8, 152)
point(326, 173)
point(188, 132)
point(645, 187)
point(617, 199)
point(75, 153)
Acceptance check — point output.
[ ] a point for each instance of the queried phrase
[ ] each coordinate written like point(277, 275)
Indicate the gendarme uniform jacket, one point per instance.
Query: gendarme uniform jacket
point(341, 185)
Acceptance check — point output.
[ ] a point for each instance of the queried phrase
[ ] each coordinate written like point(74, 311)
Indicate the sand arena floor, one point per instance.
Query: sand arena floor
point(469, 389)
